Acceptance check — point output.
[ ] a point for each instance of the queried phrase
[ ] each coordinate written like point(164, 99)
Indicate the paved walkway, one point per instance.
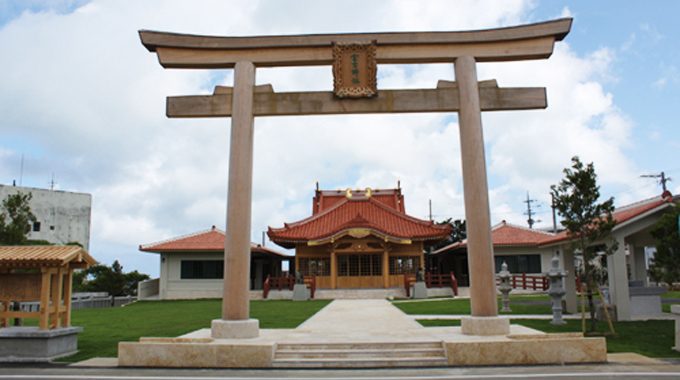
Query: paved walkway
point(354, 320)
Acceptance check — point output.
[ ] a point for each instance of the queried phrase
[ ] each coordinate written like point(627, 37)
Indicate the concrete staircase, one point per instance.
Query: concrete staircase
point(359, 355)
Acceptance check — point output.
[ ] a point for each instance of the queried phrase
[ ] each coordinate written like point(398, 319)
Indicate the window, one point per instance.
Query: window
point(519, 263)
point(359, 265)
point(404, 264)
point(36, 226)
point(203, 269)
point(320, 266)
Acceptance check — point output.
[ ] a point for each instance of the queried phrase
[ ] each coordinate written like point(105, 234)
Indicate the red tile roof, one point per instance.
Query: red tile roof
point(625, 214)
point(506, 234)
point(326, 199)
point(359, 211)
point(208, 240)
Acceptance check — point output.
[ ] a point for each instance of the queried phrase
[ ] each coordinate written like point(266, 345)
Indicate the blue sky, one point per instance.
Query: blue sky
point(81, 98)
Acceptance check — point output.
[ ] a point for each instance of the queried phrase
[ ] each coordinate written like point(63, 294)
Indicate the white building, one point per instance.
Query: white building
point(192, 266)
point(62, 216)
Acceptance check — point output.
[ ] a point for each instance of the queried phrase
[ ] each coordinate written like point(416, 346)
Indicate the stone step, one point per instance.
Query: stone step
point(361, 345)
point(359, 355)
point(360, 363)
point(351, 353)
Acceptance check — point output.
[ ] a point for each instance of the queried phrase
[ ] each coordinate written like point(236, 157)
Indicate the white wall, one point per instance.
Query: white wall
point(64, 216)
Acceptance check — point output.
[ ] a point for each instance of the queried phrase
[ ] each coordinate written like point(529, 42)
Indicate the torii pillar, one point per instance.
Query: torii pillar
point(468, 97)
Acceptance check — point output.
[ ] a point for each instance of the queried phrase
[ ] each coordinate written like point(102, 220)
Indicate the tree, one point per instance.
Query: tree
point(588, 222)
point(458, 233)
point(16, 219)
point(665, 266)
point(102, 278)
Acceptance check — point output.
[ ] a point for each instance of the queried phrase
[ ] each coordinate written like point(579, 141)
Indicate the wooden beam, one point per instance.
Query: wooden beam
point(534, 41)
point(183, 58)
point(443, 99)
point(19, 314)
point(556, 28)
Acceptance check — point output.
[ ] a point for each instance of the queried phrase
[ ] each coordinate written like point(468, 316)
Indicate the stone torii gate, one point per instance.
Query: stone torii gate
point(466, 96)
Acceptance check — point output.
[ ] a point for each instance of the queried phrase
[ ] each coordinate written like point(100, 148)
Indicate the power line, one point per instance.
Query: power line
point(663, 179)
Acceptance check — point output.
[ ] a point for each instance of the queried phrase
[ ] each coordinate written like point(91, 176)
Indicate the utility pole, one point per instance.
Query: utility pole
point(529, 213)
point(430, 209)
point(552, 205)
point(662, 180)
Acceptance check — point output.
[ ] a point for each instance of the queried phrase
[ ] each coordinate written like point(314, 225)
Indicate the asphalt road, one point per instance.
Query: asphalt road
point(657, 369)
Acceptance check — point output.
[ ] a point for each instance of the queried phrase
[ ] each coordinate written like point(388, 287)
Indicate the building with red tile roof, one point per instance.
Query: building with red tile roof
point(359, 238)
point(529, 251)
point(192, 266)
point(515, 245)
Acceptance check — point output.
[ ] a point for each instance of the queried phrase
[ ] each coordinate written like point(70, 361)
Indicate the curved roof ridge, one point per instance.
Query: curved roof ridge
point(309, 218)
point(193, 234)
point(358, 212)
point(504, 223)
point(656, 198)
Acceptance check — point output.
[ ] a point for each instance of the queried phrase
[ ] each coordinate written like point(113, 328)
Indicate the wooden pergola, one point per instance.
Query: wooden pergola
point(40, 273)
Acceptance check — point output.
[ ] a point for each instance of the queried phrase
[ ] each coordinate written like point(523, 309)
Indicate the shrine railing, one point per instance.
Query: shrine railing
point(432, 281)
point(528, 282)
point(287, 283)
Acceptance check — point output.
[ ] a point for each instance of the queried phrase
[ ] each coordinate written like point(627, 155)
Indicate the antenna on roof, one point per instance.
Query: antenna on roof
point(529, 213)
point(317, 185)
point(52, 182)
point(21, 172)
point(663, 179)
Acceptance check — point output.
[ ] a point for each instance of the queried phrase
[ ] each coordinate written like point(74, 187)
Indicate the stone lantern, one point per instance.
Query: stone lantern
point(505, 287)
point(556, 290)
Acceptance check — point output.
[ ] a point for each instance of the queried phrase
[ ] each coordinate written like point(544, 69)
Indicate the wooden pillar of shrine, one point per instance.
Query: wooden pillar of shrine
point(386, 266)
point(483, 301)
point(235, 322)
point(334, 268)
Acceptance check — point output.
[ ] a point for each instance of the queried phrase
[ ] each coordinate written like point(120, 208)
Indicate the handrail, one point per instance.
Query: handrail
point(432, 280)
point(527, 281)
point(287, 283)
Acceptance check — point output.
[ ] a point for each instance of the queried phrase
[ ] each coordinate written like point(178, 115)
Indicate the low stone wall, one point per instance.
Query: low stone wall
point(28, 344)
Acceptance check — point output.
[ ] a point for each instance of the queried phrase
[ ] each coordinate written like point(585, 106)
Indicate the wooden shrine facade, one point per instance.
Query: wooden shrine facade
point(40, 273)
point(359, 239)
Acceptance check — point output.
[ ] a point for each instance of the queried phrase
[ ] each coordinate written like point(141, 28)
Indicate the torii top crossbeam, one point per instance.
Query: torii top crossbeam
point(526, 42)
point(466, 96)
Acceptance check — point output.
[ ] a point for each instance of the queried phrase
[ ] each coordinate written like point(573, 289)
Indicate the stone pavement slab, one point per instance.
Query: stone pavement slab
point(374, 327)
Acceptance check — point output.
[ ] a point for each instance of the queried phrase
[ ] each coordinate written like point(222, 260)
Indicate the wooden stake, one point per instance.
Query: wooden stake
point(606, 311)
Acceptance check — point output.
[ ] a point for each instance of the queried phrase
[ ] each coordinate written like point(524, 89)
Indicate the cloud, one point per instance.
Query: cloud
point(88, 101)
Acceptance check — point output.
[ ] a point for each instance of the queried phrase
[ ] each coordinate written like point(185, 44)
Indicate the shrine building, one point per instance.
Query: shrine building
point(359, 239)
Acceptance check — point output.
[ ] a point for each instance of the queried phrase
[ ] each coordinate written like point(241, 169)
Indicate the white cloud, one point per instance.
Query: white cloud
point(81, 89)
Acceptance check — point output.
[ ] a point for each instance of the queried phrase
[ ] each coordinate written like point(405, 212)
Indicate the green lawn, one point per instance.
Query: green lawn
point(104, 328)
point(650, 338)
point(462, 306)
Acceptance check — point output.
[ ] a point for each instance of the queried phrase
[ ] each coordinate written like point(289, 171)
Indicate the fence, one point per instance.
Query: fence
point(432, 281)
point(527, 281)
point(287, 283)
point(98, 300)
